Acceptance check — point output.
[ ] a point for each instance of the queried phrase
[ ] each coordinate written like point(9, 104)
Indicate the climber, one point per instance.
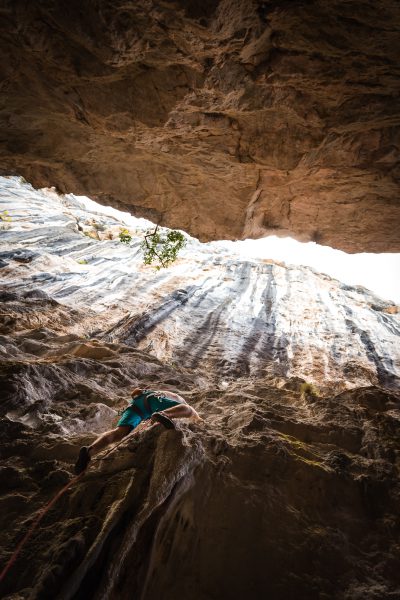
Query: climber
point(157, 406)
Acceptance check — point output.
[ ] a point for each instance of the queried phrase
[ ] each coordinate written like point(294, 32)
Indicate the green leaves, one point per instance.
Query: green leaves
point(157, 247)
point(5, 220)
point(160, 248)
point(308, 390)
point(124, 236)
point(4, 216)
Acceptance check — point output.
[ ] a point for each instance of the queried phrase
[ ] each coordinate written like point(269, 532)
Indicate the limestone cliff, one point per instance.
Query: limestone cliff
point(278, 494)
point(211, 312)
point(226, 118)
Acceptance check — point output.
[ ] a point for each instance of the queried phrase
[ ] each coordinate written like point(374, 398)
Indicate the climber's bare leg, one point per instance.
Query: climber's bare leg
point(107, 438)
point(86, 453)
point(180, 411)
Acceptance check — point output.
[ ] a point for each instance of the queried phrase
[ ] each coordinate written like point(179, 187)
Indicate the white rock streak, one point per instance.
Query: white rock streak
point(210, 310)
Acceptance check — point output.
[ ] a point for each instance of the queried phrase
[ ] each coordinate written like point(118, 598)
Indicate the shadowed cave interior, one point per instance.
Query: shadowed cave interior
point(227, 120)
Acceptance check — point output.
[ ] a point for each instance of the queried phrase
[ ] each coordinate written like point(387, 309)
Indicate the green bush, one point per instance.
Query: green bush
point(162, 248)
point(5, 220)
point(124, 236)
point(309, 390)
point(4, 216)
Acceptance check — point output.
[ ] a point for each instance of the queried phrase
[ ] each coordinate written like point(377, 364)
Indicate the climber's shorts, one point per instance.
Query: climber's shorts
point(131, 418)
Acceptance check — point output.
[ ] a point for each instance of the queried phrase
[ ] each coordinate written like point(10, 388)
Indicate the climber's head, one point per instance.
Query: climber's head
point(136, 392)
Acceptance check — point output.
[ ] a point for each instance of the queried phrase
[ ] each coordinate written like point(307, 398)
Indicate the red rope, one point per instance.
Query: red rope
point(47, 507)
point(35, 523)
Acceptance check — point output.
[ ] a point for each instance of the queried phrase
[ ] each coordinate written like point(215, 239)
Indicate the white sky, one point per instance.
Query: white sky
point(379, 273)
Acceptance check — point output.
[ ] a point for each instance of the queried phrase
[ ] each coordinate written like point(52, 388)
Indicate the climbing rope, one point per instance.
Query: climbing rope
point(143, 425)
point(35, 523)
point(50, 504)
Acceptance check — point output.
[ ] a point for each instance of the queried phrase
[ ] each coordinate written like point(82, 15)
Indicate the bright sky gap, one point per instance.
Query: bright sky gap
point(379, 273)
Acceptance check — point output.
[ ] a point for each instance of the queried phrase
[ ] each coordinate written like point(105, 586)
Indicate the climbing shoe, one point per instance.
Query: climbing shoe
point(164, 420)
point(83, 460)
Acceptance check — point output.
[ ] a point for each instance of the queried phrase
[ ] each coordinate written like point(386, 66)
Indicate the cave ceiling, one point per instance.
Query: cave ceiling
point(227, 119)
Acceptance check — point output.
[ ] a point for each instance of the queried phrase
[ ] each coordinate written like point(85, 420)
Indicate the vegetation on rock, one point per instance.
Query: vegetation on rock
point(162, 248)
point(124, 236)
point(308, 390)
point(5, 219)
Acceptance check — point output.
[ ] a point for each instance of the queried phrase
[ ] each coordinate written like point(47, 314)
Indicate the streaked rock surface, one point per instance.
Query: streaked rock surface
point(278, 494)
point(211, 311)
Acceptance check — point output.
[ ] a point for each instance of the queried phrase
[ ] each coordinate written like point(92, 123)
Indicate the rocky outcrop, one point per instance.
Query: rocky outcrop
point(282, 491)
point(212, 311)
point(226, 118)
point(276, 493)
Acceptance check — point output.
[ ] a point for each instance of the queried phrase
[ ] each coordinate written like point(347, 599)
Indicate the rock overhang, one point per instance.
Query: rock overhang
point(229, 120)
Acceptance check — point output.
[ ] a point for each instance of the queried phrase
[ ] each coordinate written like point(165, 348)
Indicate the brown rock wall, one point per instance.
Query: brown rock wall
point(181, 111)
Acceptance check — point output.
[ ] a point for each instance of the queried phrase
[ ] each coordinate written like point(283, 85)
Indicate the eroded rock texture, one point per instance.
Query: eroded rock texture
point(229, 119)
point(210, 311)
point(278, 494)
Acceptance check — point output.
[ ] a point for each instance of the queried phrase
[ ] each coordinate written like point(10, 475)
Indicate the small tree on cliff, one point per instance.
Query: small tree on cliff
point(162, 248)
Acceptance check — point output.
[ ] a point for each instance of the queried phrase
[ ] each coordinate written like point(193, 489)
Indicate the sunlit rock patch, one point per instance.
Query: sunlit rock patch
point(211, 311)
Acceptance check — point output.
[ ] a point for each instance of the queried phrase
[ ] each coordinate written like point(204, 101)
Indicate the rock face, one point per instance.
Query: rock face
point(227, 118)
point(211, 312)
point(280, 493)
